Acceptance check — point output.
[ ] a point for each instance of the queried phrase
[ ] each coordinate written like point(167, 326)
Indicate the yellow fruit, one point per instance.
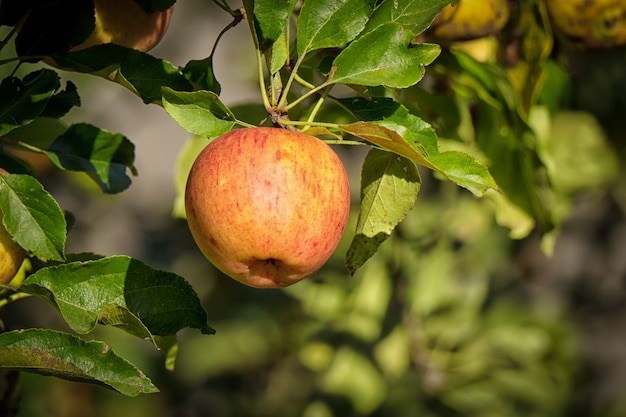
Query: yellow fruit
point(594, 23)
point(471, 19)
point(124, 23)
point(267, 206)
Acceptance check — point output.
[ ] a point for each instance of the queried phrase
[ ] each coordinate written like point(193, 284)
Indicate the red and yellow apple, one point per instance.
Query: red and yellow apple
point(11, 254)
point(123, 22)
point(267, 206)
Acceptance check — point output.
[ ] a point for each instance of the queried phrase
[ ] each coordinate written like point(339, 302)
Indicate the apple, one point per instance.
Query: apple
point(471, 19)
point(595, 23)
point(11, 254)
point(267, 206)
point(124, 23)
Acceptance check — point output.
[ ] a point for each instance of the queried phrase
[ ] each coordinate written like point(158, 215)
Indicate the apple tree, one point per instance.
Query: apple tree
point(461, 157)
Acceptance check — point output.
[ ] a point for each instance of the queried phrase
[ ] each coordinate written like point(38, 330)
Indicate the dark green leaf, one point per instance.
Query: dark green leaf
point(200, 73)
point(415, 15)
point(55, 28)
point(389, 188)
point(24, 100)
point(141, 73)
point(122, 292)
point(62, 102)
point(386, 57)
point(103, 154)
point(54, 353)
point(32, 217)
point(330, 23)
point(39, 133)
point(199, 112)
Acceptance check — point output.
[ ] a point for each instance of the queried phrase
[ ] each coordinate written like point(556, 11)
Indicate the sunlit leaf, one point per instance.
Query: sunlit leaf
point(385, 56)
point(270, 19)
point(389, 188)
point(415, 15)
point(199, 112)
point(122, 292)
point(54, 353)
point(330, 23)
point(105, 155)
point(32, 217)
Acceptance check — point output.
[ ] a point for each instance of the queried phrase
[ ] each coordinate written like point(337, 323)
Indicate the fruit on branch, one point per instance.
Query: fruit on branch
point(11, 254)
point(124, 23)
point(471, 19)
point(594, 23)
point(267, 206)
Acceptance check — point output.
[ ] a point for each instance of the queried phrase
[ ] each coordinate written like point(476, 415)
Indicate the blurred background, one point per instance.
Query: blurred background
point(451, 318)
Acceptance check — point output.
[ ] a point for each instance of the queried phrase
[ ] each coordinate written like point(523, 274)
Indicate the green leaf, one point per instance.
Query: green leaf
point(387, 139)
point(32, 217)
point(389, 188)
point(122, 292)
point(330, 23)
point(24, 100)
point(386, 112)
point(270, 19)
point(459, 167)
point(62, 102)
point(199, 112)
point(200, 73)
point(386, 56)
point(464, 170)
point(102, 154)
point(54, 353)
point(414, 15)
point(141, 73)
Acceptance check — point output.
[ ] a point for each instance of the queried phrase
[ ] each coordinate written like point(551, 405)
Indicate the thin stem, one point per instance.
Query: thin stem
point(283, 99)
point(224, 6)
point(344, 142)
point(304, 123)
point(306, 95)
point(13, 297)
point(303, 82)
point(259, 61)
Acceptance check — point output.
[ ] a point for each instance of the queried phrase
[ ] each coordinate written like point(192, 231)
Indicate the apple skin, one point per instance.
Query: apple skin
point(11, 254)
point(267, 206)
point(123, 22)
point(471, 19)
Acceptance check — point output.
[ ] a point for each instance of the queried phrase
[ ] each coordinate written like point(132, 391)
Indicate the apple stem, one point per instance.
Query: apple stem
point(266, 101)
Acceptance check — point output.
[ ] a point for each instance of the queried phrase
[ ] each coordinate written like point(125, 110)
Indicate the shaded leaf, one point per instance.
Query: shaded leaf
point(200, 74)
point(32, 217)
point(105, 155)
point(141, 73)
point(389, 188)
point(199, 112)
point(330, 23)
point(24, 100)
point(62, 102)
point(385, 56)
point(54, 353)
point(119, 291)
